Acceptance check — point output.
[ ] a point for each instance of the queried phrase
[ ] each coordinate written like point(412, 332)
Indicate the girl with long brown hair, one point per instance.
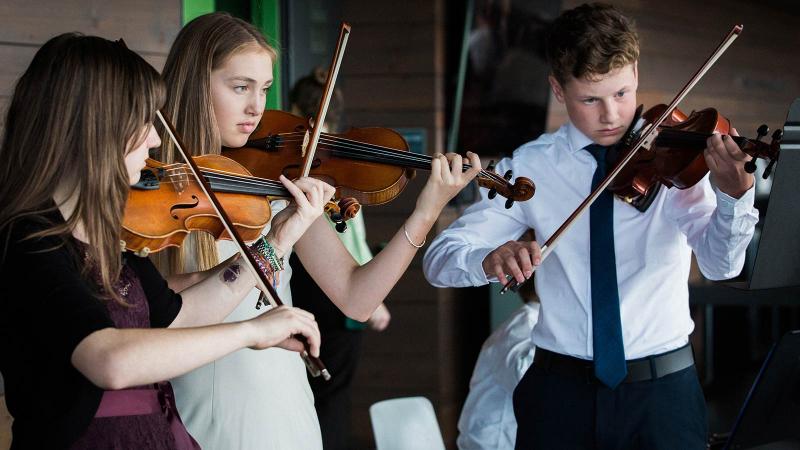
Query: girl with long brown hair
point(87, 333)
point(219, 70)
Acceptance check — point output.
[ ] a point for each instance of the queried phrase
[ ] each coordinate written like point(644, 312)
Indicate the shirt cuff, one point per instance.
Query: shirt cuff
point(474, 262)
point(730, 206)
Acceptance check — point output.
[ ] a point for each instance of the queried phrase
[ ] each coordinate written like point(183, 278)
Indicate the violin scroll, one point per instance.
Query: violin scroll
point(341, 212)
point(522, 189)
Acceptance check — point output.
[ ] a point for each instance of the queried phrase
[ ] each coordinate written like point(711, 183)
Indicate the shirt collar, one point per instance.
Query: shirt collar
point(577, 140)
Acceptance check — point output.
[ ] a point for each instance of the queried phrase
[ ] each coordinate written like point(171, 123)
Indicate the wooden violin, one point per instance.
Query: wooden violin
point(372, 165)
point(167, 203)
point(675, 157)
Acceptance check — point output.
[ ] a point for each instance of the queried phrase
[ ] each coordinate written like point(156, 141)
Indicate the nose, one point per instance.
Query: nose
point(610, 112)
point(153, 139)
point(256, 104)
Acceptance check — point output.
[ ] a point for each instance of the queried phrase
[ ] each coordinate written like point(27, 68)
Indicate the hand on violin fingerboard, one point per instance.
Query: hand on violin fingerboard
point(447, 178)
point(310, 196)
point(726, 162)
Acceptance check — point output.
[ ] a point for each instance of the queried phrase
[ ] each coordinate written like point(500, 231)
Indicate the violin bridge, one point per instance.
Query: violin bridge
point(648, 141)
point(306, 139)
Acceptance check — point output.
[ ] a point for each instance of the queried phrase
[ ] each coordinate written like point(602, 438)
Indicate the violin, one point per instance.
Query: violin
point(371, 165)
point(167, 203)
point(675, 157)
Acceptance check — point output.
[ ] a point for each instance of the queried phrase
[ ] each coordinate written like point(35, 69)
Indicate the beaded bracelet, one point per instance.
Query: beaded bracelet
point(264, 249)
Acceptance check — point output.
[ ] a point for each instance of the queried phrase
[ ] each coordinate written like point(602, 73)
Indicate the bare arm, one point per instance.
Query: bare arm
point(211, 295)
point(358, 290)
point(114, 358)
point(216, 295)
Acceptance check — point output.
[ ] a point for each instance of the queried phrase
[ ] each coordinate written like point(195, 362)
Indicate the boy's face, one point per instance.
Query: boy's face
point(601, 109)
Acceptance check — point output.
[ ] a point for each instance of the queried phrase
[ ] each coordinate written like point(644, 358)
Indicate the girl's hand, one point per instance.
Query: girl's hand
point(310, 196)
point(447, 178)
point(278, 328)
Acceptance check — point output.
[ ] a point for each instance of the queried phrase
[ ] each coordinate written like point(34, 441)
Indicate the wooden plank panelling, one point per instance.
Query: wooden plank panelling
point(146, 25)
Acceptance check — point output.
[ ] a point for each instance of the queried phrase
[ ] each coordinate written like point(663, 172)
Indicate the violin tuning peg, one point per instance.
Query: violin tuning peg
point(762, 131)
point(490, 167)
point(777, 135)
point(492, 193)
point(750, 166)
point(341, 227)
point(509, 203)
point(508, 174)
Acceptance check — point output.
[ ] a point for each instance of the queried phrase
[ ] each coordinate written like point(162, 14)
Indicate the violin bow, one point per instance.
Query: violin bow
point(310, 148)
point(644, 140)
point(314, 364)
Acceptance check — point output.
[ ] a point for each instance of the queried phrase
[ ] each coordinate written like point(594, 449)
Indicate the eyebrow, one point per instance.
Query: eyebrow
point(250, 80)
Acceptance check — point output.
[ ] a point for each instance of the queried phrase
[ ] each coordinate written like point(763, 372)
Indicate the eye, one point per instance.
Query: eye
point(241, 89)
point(589, 101)
point(621, 94)
point(265, 90)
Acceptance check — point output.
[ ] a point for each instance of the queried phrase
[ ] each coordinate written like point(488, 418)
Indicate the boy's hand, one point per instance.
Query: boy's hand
point(726, 162)
point(516, 258)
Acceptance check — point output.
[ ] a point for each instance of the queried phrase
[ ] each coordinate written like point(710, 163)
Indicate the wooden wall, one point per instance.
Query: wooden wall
point(392, 76)
point(148, 27)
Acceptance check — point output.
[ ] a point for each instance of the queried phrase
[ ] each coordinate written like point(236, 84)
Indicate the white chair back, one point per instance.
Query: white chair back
point(407, 423)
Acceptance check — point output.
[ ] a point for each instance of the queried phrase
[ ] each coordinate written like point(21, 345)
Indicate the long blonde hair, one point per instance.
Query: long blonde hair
point(74, 113)
point(203, 45)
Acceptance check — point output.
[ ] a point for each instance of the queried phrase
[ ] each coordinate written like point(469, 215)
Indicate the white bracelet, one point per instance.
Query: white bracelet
point(408, 238)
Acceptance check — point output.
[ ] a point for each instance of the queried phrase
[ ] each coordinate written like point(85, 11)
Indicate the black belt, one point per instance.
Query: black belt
point(643, 369)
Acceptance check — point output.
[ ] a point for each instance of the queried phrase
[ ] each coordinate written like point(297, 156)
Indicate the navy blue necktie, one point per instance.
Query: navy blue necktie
point(609, 352)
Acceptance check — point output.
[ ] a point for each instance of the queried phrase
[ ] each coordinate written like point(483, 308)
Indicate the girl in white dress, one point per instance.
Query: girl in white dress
point(218, 74)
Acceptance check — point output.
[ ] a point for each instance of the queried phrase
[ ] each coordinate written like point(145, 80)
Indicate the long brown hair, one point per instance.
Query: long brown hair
point(203, 45)
point(75, 111)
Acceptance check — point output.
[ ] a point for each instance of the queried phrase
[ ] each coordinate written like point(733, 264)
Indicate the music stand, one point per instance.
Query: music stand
point(770, 415)
point(777, 240)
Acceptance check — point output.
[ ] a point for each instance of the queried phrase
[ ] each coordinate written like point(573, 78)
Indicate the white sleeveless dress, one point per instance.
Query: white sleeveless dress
point(251, 399)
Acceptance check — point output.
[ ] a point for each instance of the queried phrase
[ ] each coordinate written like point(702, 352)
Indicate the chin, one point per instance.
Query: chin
point(235, 141)
point(607, 140)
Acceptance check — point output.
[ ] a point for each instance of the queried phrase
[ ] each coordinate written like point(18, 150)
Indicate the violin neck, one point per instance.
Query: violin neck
point(692, 140)
point(233, 184)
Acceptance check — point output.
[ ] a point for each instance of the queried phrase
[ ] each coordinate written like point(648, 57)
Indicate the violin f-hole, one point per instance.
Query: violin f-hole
point(179, 206)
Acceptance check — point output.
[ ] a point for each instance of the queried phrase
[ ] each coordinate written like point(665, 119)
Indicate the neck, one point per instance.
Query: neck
point(66, 198)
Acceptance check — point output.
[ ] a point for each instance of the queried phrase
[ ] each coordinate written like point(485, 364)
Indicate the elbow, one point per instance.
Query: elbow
point(102, 364)
point(109, 373)
point(358, 314)
point(722, 274)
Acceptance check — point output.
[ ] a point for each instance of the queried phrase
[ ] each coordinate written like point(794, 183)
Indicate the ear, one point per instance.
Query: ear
point(558, 91)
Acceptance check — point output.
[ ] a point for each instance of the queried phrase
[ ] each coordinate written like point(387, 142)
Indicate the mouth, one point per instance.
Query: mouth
point(246, 127)
point(610, 131)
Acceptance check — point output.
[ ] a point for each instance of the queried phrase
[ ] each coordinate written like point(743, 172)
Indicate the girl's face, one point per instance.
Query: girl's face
point(136, 157)
point(239, 90)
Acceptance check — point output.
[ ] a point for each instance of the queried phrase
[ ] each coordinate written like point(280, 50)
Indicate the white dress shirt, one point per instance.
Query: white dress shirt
point(653, 249)
point(487, 421)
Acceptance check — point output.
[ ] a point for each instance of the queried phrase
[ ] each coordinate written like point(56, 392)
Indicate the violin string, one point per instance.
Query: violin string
point(270, 187)
point(370, 152)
